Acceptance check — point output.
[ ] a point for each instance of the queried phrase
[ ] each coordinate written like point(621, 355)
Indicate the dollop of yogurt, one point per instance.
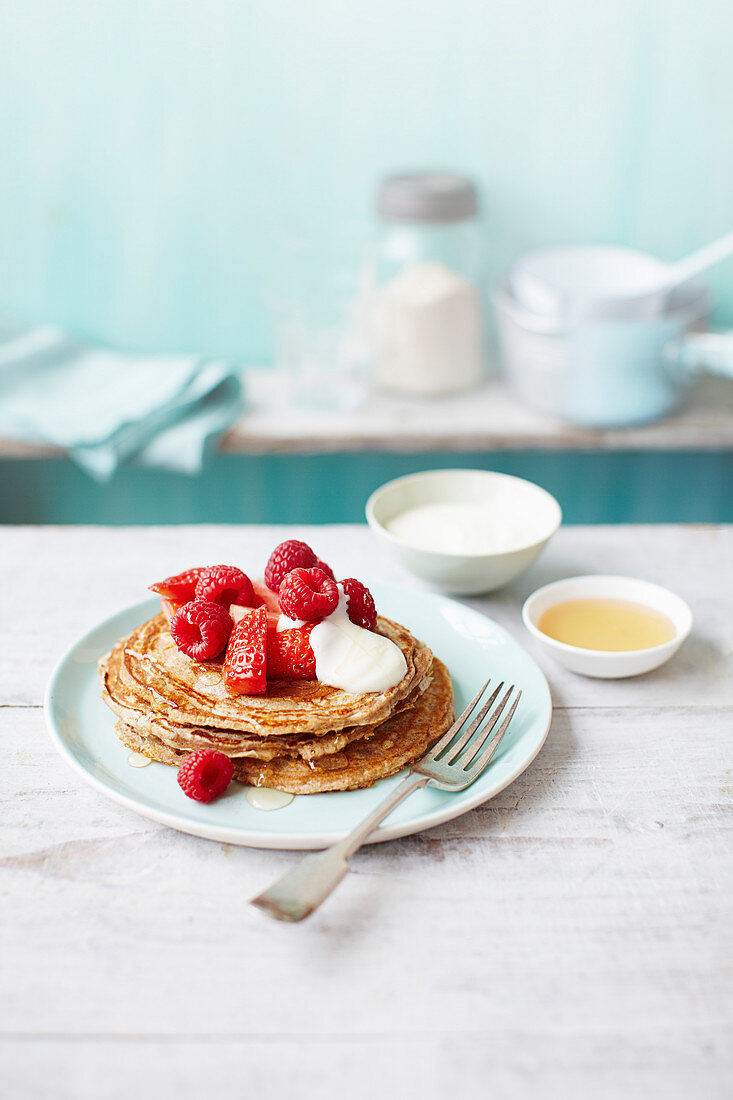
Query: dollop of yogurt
point(284, 623)
point(354, 659)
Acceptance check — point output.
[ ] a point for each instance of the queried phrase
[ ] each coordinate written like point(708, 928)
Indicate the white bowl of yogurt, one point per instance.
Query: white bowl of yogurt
point(463, 531)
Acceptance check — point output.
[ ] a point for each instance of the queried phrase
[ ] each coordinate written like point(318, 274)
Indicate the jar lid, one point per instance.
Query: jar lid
point(427, 197)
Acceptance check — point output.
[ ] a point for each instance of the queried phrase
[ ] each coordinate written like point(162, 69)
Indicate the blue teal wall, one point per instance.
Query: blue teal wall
point(621, 487)
point(155, 152)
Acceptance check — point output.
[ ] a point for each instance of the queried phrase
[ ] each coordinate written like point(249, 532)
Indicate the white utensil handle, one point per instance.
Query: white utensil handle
point(709, 351)
point(302, 889)
point(701, 260)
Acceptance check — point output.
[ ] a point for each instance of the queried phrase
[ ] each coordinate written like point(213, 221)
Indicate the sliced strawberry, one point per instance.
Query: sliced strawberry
point(245, 663)
point(266, 597)
point(289, 655)
point(170, 607)
point(181, 588)
point(237, 613)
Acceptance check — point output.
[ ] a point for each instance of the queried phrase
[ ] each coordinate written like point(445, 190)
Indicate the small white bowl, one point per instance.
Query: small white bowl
point(608, 664)
point(464, 574)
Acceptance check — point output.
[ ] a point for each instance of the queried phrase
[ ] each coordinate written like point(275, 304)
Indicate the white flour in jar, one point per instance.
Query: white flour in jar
point(428, 331)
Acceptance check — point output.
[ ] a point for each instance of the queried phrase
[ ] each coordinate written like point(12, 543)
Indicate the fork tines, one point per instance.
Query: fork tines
point(459, 747)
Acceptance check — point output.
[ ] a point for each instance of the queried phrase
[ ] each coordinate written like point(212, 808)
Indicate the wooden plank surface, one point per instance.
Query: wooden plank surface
point(569, 938)
point(489, 418)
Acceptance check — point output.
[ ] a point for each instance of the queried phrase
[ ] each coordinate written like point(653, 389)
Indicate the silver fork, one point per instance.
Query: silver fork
point(453, 763)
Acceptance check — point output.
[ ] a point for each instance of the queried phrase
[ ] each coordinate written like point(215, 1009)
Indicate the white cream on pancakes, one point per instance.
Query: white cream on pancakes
point(284, 623)
point(352, 658)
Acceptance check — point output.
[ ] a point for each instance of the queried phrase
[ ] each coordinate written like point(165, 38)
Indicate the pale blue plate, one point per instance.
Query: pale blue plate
point(470, 644)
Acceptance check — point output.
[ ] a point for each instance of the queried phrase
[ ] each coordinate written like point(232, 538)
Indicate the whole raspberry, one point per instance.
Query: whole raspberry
point(308, 594)
point(201, 629)
point(325, 568)
point(361, 609)
point(288, 555)
point(204, 775)
point(225, 584)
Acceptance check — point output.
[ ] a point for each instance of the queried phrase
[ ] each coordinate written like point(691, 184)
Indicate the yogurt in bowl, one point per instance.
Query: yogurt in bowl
point(463, 531)
point(455, 527)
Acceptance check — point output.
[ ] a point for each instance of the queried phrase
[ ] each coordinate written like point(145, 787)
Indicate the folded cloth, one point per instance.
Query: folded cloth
point(109, 407)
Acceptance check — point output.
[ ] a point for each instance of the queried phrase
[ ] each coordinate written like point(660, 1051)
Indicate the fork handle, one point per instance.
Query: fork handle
point(304, 887)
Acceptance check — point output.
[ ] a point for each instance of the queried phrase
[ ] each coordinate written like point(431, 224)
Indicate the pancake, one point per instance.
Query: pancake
point(190, 693)
point(130, 703)
point(391, 746)
point(300, 736)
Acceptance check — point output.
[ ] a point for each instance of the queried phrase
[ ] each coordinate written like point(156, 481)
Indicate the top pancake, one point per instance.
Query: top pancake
point(131, 703)
point(193, 693)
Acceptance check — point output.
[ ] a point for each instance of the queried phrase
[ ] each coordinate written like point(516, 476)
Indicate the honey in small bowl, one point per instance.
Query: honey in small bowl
point(606, 624)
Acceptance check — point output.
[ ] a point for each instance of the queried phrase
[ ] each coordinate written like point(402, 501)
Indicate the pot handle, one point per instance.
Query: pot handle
point(704, 351)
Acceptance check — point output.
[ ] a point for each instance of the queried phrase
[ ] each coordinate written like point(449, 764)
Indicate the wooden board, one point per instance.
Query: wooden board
point(489, 419)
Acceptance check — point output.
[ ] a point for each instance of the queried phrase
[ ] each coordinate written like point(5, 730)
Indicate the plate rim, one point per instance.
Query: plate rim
point(284, 841)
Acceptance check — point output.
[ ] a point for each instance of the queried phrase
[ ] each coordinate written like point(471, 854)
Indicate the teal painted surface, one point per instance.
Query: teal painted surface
point(592, 488)
point(154, 154)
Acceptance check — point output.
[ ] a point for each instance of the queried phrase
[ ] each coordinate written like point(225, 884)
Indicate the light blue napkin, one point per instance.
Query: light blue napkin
point(108, 407)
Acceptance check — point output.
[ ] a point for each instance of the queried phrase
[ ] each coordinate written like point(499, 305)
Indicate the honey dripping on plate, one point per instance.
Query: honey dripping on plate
point(265, 798)
point(606, 624)
point(138, 760)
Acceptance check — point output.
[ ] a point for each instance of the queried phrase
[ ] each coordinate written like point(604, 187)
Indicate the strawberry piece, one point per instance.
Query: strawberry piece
point(225, 584)
point(360, 607)
point(245, 664)
point(205, 774)
point(180, 588)
point(201, 629)
point(169, 607)
point(308, 594)
point(288, 555)
point(264, 596)
point(289, 655)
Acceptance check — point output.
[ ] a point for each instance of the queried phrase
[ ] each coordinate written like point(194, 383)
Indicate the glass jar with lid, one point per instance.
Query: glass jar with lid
point(428, 327)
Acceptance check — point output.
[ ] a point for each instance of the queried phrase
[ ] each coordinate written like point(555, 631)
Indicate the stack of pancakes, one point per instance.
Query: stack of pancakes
point(302, 736)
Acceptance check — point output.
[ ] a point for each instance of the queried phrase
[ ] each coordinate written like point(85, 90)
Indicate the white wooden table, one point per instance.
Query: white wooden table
point(570, 938)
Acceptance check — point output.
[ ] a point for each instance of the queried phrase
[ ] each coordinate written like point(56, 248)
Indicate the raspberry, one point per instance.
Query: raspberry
point(180, 588)
point(201, 629)
point(204, 775)
point(289, 655)
point(308, 594)
point(225, 584)
point(288, 555)
point(245, 665)
point(325, 569)
point(361, 609)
